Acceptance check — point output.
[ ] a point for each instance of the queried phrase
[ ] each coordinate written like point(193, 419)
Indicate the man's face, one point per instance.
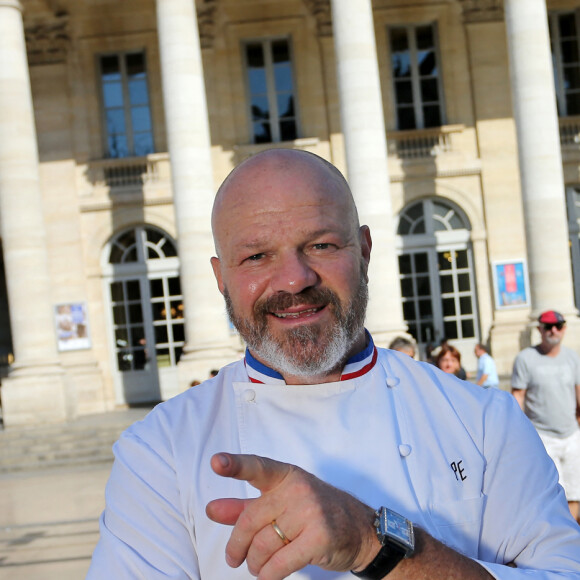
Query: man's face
point(552, 334)
point(292, 267)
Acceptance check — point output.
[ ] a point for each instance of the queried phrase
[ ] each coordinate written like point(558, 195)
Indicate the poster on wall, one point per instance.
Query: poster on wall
point(72, 328)
point(510, 280)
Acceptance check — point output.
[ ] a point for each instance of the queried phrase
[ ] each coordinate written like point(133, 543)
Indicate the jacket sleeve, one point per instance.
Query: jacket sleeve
point(143, 529)
point(527, 521)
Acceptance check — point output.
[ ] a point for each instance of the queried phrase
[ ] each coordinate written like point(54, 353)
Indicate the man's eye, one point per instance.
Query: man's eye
point(323, 246)
point(255, 257)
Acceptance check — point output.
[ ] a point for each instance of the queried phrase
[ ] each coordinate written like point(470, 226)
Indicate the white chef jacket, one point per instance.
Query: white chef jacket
point(460, 461)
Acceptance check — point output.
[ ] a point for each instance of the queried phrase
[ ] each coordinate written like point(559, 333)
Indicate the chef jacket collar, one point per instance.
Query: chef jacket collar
point(356, 366)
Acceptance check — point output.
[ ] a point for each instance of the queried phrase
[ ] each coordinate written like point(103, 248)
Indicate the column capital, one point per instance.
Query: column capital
point(206, 22)
point(482, 10)
point(47, 40)
point(320, 9)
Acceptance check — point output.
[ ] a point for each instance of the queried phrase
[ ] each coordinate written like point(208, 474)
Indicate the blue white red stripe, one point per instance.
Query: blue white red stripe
point(356, 366)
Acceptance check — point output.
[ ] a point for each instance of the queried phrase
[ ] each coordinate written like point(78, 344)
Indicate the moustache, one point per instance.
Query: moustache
point(308, 297)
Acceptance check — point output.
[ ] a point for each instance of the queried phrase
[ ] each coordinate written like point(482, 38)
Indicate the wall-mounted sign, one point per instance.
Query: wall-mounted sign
point(510, 281)
point(72, 327)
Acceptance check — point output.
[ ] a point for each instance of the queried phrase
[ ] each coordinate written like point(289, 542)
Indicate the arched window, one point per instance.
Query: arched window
point(147, 316)
point(436, 273)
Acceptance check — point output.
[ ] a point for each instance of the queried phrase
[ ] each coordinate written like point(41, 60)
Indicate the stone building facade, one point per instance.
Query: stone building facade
point(457, 123)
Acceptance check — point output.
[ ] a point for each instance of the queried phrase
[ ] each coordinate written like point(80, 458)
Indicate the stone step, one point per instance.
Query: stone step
point(85, 441)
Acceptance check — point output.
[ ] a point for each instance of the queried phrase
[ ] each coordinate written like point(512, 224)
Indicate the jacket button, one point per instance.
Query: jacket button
point(404, 450)
point(250, 396)
point(392, 381)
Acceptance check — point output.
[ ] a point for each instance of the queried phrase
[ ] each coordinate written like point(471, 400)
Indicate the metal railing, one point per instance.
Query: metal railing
point(422, 143)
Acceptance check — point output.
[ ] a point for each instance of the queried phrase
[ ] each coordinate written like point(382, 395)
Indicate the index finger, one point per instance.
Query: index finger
point(262, 473)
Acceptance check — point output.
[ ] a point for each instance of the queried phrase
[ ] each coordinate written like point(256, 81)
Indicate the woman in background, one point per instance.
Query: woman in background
point(449, 360)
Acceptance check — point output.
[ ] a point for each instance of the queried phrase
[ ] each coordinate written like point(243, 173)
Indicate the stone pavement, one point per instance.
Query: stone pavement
point(49, 503)
point(49, 522)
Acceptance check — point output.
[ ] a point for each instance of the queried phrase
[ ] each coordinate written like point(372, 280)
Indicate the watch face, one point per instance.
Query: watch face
point(399, 527)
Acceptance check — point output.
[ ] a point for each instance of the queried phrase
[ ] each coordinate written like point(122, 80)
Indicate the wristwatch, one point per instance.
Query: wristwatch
point(395, 533)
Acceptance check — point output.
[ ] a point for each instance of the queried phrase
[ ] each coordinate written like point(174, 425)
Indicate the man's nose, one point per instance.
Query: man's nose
point(293, 274)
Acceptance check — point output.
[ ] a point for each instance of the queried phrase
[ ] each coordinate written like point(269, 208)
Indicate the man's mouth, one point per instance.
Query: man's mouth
point(299, 314)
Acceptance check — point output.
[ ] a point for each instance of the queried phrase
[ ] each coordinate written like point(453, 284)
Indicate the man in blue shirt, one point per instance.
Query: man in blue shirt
point(486, 370)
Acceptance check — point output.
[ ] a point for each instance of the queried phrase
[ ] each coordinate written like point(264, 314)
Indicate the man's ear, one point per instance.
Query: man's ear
point(217, 272)
point(366, 243)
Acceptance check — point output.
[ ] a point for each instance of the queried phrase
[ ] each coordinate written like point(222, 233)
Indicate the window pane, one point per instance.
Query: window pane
point(567, 25)
point(445, 260)
point(137, 336)
point(446, 284)
point(257, 80)
point(409, 310)
point(133, 290)
point(143, 144)
point(161, 334)
point(288, 131)
point(262, 133)
point(138, 93)
point(135, 314)
point(432, 116)
point(406, 118)
point(121, 337)
point(465, 305)
point(403, 92)
point(110, 70)
point(571, 77)
point(285, 105)
point(573, 104)
point(424, 36)
point(156, 288)
point(463, 283)
point(421, 263)
point(425, 309)
point(427, 331)
point(117, 291)
point(135, 64)
point(140, 119)
point(413, 330)
point(119, 315)
point(450, 329)
point(163, 357)
point(461, 259)
point(158, 311)
point(260, 108)
point(405, 264)
point(569, 51)
point(407, 288)
point(427, 64)
point(423, 286)
point(429, 90)
point(178, 332)
point(399, 41)
point(124, 359)
point(283, 78)
point(117, 145)
point(449, 307)
point(280, 51)
point(115, 121)
point(174, 286)
point(113, 95)
point(401, 64)
point(467, 329)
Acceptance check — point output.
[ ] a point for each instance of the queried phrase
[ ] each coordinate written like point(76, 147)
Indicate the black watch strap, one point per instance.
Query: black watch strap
point(387, 558)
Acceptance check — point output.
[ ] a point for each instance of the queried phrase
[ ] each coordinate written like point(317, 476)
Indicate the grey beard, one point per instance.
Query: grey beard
point(300, 352)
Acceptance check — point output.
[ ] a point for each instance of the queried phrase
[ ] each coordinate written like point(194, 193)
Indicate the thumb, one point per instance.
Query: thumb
point(262, 473)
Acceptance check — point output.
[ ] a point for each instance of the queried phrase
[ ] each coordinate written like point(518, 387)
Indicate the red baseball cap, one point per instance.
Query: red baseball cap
point(551, 317)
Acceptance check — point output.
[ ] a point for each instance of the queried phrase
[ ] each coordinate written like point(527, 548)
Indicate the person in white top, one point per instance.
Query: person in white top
point(319, 454)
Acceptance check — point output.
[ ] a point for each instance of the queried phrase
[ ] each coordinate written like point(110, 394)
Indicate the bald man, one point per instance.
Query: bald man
point(319, 455)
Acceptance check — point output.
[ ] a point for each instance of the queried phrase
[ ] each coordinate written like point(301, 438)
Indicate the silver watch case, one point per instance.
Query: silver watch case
point(395, 529)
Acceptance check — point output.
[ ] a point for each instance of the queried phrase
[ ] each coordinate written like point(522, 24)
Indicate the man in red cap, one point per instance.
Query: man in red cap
point(546, 383)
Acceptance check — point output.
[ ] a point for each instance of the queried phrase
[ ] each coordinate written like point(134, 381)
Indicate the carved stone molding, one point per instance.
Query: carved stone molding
point(482, 10)
point(320, 9)
point(206, 22)
point(47, 41)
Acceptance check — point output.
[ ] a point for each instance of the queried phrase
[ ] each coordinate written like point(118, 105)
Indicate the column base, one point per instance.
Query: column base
point(85, 389)
point(34, 397)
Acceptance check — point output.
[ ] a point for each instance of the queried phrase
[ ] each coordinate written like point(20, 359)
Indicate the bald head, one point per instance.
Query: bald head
point(272, 178)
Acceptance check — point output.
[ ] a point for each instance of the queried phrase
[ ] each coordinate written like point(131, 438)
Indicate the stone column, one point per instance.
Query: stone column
point(540, 159)
point(363, 127)
point(34, 390)
point(188, 137)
